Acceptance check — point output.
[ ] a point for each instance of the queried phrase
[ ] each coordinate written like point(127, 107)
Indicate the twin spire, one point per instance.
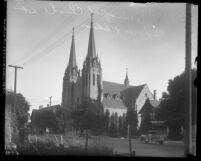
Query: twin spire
point(91, 47)
point(72, 59)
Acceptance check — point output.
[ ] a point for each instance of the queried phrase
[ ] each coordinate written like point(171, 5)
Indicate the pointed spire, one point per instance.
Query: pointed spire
point(126, 81)
point(72, 59)
point(91, 46)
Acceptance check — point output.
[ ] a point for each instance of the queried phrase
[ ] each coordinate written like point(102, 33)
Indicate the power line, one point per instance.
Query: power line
point(58, 42)
point(45, 40)
point(54, 44)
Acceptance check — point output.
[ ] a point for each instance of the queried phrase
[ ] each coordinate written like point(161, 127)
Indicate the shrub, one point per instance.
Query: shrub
point(49, 148)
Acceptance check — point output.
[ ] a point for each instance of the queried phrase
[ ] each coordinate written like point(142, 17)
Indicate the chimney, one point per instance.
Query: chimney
point(154, 94)
point(41, 106)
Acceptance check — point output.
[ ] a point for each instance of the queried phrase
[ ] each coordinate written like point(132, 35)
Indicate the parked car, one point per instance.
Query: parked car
point(154, 136)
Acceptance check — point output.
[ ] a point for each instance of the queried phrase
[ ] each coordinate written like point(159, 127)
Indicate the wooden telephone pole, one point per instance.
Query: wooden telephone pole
point(15, 82)
point(15, 87)
point(188, 85)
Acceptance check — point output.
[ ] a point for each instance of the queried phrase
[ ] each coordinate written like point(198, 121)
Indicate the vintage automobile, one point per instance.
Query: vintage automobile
point(154, 136)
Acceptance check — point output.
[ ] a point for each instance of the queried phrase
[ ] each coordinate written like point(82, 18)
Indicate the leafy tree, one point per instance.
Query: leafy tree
point(120, 129)
point(107, 116)
point(132, 120)
point(172, 106)
point(112, 127)
point(20, 114)
point(45, 118)
point(146, 117)
point(89, 117)
point(124, 125)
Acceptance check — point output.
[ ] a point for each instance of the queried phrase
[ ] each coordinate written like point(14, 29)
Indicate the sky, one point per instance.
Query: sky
point(148, 39)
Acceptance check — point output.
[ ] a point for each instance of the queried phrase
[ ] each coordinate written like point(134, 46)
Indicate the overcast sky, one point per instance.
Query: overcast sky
point(148, 39)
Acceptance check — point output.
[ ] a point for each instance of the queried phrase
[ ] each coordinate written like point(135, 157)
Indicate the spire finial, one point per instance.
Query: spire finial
point(92, 17)
point(126, 70)
point(73, 30)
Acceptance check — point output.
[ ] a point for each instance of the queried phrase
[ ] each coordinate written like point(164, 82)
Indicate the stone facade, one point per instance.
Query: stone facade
point(116, 98)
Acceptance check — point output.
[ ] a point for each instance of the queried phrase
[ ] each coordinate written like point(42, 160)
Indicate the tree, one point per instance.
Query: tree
point(107, 117)
point(89, 117)
point(132, 120)
point(19, 115)
point(120, 126)
point(112, 127)
point(146, 117)
point(46, 118)
point(172, 106)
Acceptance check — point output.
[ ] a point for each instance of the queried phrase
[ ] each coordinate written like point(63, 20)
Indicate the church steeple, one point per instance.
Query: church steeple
point(72, 60)
point(91, 46)
point(126, 81)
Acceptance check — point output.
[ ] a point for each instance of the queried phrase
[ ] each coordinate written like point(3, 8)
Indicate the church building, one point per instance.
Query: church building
point(87, 83)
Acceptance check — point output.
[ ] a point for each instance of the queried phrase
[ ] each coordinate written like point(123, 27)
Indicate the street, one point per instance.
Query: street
point(168, 149)
point(121, 146)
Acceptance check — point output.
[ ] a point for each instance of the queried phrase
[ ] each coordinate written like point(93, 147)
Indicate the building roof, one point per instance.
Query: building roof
point(113, 103)
point(133, 92)
point(54, 107)
point(154, 104)
point(112, 88)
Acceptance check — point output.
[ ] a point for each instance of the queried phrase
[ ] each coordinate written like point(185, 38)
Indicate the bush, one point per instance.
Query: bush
point(49, 148)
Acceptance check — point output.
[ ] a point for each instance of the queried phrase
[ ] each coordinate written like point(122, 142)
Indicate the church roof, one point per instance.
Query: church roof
point(133, 92)
point(72, 59)
point(112, 88)
point(91, 46)
point(113, 103)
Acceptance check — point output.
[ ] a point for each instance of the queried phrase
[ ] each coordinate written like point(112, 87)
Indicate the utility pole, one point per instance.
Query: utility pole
point(50, 100)
point(188, 85)
point(129, 140)
point(15, 85)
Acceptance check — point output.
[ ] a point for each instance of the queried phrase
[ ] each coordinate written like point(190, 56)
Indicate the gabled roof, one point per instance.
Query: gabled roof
point(154, 104)
point(131, 92)
point(113, 88)
point(113, 103)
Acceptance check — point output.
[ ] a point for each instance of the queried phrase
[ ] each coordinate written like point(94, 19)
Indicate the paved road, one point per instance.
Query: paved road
point(168, 149)
point(120, 146)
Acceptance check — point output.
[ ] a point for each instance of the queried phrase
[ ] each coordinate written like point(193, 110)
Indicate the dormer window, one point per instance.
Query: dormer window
point(107, 95)
point(115, 96)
